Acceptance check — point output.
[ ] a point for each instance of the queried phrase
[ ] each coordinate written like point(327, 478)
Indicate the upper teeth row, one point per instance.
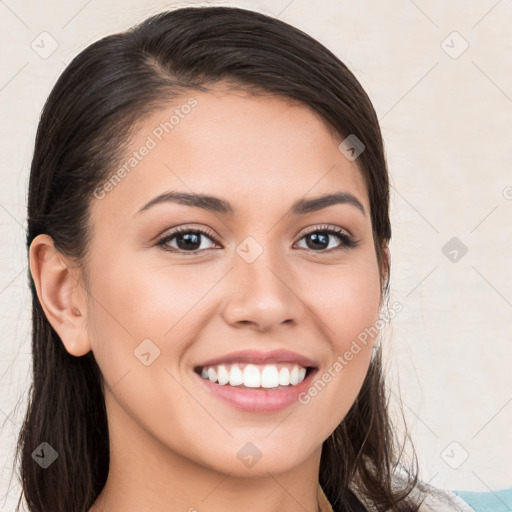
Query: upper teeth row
point(252, 376)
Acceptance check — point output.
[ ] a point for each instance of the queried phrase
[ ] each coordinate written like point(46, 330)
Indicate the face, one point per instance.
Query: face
point(250, 280)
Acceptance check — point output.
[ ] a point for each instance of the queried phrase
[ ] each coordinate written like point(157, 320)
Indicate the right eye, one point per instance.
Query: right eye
point(188, 240)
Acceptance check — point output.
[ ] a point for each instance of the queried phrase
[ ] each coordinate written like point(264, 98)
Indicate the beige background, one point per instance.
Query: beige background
point(446, 116)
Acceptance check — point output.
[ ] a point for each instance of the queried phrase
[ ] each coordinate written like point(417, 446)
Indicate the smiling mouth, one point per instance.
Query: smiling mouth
point(256, 376)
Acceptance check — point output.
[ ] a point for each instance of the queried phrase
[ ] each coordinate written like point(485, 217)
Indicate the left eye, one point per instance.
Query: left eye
point(321, 236)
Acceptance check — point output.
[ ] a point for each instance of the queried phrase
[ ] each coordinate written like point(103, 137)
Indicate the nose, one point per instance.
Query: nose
point(262, 294)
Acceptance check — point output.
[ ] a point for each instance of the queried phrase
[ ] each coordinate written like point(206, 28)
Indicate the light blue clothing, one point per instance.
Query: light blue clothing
point(494, 501)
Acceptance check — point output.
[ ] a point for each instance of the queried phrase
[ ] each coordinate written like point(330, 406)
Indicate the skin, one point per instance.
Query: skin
point(174, 446)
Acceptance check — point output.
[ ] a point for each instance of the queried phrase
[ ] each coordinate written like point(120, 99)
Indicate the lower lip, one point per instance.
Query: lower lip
point(259, 399)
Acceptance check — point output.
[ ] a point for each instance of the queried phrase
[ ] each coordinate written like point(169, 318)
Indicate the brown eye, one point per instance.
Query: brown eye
point(319, 239)
point(188, 240)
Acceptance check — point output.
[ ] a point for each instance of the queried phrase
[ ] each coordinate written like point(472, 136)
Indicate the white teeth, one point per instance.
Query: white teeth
point(284, 376)
point(222, 375)
point(253, 376)
point(236, 376)
point(212, 374)
point(269, 377)
point(294, 375)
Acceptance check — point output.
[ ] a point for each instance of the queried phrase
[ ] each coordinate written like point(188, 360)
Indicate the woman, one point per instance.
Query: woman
point(208, 235)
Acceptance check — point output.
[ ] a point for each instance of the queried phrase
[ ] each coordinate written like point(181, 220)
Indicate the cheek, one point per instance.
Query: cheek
point(133, 300)
point(346, 299)
point(346, 302)
point(143, 299)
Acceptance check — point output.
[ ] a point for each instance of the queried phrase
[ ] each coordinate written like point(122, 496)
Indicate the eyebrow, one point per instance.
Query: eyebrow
point(218, 205)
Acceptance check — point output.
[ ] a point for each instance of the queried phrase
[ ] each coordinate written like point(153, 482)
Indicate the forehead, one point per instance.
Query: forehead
point(253, 150)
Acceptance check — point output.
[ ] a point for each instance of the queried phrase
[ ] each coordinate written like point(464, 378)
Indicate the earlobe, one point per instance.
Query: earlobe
point(60, 294)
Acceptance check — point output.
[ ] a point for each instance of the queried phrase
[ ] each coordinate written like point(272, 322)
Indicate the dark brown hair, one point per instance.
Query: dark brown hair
point(86, 124)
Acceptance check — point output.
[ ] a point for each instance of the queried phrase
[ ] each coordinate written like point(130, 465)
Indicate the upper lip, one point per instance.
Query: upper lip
point(258, 357)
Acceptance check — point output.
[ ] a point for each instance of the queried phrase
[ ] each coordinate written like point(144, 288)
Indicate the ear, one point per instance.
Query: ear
point(61, 294)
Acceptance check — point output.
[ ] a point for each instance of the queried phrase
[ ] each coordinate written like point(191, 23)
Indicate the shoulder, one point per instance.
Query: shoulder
point(440, 500)
point(429, 498)
point(493, 501)
point(433, 499)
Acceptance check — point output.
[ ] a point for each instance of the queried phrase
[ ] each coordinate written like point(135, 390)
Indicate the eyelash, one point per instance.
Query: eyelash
point(348, 242)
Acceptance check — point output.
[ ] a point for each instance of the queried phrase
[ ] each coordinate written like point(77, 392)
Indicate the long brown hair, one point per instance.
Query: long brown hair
point(85, 126)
